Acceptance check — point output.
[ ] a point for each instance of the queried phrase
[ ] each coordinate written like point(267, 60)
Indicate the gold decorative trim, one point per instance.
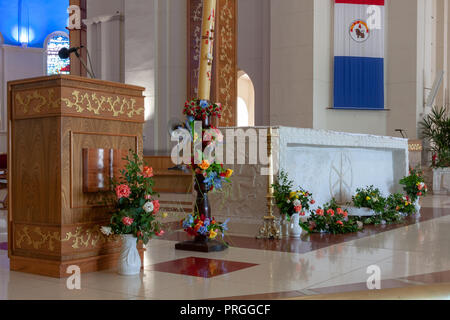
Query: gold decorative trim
point(44, 238)
point(95, 104)
point(90, 237)
point(44, 101)
point(415, 147)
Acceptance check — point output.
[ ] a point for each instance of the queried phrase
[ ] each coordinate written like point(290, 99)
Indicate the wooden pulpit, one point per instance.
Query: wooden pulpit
point(57, 125)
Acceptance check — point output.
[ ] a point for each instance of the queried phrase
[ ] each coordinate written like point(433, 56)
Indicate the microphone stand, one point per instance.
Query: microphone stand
point(91, 73)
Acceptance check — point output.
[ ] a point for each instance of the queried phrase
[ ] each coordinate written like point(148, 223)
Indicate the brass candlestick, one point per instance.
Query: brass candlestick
point(269, 230)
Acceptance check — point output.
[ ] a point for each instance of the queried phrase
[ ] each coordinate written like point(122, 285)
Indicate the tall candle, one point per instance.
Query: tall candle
point(207, 49)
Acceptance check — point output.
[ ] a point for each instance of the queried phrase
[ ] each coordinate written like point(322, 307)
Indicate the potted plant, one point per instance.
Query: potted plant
point(400, 203)
point(368, 202)
point(330, 219)
point(292, 204)
point(134, 213)
point(436, 128)
point(415, 187)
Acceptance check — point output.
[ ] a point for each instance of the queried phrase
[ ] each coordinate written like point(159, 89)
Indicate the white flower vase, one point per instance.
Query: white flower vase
point(295, 229)
point(417, 206)
point(284, 226)
point(129, 260)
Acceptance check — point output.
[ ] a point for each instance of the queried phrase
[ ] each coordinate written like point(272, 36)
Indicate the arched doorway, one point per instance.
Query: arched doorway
point(245, 101)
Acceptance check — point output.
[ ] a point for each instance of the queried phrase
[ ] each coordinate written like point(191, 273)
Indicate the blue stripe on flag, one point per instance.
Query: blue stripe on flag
point(358, 83)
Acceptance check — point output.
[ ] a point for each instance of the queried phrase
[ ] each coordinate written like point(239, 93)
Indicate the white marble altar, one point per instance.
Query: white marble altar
point(328, 164)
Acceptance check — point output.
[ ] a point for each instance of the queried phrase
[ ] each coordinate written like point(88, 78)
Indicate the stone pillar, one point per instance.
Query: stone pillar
point(106, 46)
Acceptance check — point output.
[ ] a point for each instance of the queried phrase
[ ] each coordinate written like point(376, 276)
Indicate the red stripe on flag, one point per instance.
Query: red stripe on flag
point(363, 2)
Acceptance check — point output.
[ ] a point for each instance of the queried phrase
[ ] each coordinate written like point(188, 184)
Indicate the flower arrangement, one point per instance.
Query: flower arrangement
point(330, 219)
point(369, 197)
point(135, 208)
point(201, 109)
point(400, 203)
point(200, 225)
point(289, 201)
point(214, 174)
point(414, 185)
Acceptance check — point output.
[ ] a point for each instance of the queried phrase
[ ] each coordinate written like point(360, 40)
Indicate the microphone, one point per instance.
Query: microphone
point(64, 53)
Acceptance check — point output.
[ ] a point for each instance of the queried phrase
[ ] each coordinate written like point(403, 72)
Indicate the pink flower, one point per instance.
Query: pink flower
point(298, 208)
point(156, 206)
point(123, 191)
point(320, 212)
point(340, 211)
point(330, 212)
point(419, 194)
point(160, 233)
point(148, 197)
point(127, 221)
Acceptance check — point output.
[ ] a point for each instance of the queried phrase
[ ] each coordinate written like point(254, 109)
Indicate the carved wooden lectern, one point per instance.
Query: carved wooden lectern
point(55, 124)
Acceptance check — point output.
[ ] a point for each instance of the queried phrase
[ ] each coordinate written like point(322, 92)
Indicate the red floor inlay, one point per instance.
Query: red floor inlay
point(200, 267)
point(3, 245)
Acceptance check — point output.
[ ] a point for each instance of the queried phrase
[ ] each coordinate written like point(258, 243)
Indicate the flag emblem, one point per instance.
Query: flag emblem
point(359, 31)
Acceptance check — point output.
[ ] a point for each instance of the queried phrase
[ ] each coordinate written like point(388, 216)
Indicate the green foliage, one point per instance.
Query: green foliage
point(414, 185)
point(137, 178)
point(399, 203)
point(331, 219)
point(282, 188)
point(369, 197)
point(436, 128)
point(286, 197)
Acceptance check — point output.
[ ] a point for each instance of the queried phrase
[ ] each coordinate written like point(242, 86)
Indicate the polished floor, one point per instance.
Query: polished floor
point(411, 255)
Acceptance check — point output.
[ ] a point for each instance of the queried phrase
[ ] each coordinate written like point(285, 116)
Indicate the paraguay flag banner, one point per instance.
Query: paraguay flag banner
point(359, 54)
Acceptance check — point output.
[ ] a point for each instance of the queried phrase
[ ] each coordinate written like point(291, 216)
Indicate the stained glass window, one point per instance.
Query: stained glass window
point(55, 65)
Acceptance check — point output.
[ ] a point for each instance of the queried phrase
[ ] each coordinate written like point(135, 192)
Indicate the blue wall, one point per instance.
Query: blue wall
point(42, 16)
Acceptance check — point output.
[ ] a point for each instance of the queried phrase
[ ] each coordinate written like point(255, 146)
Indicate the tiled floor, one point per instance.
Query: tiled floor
point(408, 255)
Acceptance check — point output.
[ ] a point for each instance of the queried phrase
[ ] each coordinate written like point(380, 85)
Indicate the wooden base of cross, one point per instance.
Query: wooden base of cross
point(201, 245)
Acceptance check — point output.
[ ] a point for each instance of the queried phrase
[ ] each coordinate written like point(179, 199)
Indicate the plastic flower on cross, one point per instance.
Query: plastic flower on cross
point(204, 165)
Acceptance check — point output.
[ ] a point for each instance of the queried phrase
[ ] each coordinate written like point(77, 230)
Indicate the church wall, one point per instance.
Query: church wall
point(291, 63)
point(403, 78)
point(154, 57)
point(254, 52)
point(16, 63)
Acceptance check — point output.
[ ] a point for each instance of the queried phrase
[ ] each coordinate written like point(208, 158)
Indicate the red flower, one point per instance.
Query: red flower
point(298, 209)
point(313, 201)
point(419, 194)
point(139, 234)
point(340, 222)
point(127, 221)
point(340, 211)
point(123, 191)
point(156, 206)
point(320, 212)
point(330, 212)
